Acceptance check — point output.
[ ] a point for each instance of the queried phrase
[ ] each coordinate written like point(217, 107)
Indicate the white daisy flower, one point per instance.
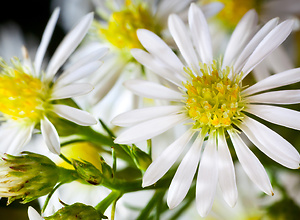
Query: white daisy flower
point(27, 92)
point(208, 95)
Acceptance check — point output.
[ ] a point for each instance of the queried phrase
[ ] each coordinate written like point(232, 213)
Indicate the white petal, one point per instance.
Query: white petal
point(149, 129)
point(75, 115)
point(68, 77)
point(200, 34)
point(185, 173)
point(180, 34)
point(40, 53)
point(167, 7)
point(268, 44)
point(227, 179)
point(50, 136)
point(277, 115)
point(33, 214)
point(157, 47)
point(152, 90)
point(241, 34)
point(71, 90)
point(139, 115)
point(207, 177)
point(251, 165)
point(158, 67)
point(211, 9)
point(280, 79)
point(276, 97)
point(68, 45)
point(242, 58)
point(166, 159)
point(270, 143)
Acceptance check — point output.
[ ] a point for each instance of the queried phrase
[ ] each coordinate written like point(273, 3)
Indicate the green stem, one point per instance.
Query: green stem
point(49, 196)
point(65, 159)
point(149, 147)
point(105, 203)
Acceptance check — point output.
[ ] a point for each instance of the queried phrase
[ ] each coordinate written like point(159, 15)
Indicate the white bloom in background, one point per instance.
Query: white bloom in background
point(208, 96)
point(117, 30)
point(33, 214)
point(27, 92)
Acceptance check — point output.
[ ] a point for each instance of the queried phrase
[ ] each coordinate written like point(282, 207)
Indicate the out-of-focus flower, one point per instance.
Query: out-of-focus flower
point(28, 93)
point(26, 177)
point(208, 95)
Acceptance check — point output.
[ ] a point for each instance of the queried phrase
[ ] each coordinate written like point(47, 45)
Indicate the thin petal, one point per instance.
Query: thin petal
point(139, 115)
point(227, 179)
point(251, 165)
point(71, 90)
point(156, 46)
point(40, 53)
point(207, 177)
point(200, 33)
point(162, 164)
point(277, 115)
point(152, 90)
point(277, 97)
point(68, 45)
point(50, 136)
point(241, 34)
point(280, 79)
point(185, 173)
point(268, 44)
point(74, 115)
point(180, 34)
point(270, 143)
point(33, 214)
point(149, 129)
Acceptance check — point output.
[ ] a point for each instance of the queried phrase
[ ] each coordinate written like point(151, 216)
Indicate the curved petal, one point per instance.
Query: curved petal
point(200, 34)
point(68, 45)
point(71, 90)
point(152, 90)
point(33, 214)
point(139, 115)
point(242, 33)
point(227, 179)
point(156, 46)
point(207, 177)
point(267, 45)
point(149, 129)
point(280, 79)
point(277, 97)
point(74, 115)
point(180, 34)
point(251, 165)
point(162, 164)
point(185, 173)
point(271, 143)
point(40, 53)
point(277, 115)
point(50, 136)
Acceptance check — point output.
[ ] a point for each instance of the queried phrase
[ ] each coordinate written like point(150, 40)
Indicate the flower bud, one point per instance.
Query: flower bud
point(88, 172)
point(26, 177)
point(76, 211)
point(142, 160)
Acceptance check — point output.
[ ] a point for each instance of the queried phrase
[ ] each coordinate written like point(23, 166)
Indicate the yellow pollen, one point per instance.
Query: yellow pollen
point(213, 99)
point(21, 95)
point(123, 24)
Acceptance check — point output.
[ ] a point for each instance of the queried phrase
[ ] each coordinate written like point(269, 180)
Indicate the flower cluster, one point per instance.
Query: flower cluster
point(167, 100)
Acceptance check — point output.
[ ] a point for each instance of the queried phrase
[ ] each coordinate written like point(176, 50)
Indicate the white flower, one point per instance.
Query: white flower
point(208, 96)
point(33, 214)
point(27, 92)
point(117, 30)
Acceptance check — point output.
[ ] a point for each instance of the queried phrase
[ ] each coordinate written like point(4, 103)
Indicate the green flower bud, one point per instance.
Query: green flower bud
point(26, 177)
point(77, 211)
point(141, 159)
point(88, 172)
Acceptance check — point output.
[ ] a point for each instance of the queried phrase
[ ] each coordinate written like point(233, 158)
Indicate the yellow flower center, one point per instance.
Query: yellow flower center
point(213, 100)
point(22, 96)
point(122, 25)
point(234, 10)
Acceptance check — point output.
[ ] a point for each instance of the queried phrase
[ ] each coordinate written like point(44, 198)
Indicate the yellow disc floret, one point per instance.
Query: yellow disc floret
point(122, 25)
point(21, 95)
point(213, 99)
